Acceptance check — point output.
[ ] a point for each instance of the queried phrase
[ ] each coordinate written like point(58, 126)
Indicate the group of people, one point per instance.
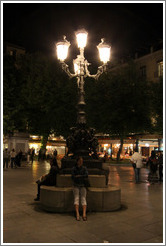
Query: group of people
point(79, 177)
point(12, 158)
point(42, 154)
point(153, 163)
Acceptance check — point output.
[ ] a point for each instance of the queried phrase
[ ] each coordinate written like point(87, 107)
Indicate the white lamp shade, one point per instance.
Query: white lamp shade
point(104, 51)
point(81, 38)
point(62, 49)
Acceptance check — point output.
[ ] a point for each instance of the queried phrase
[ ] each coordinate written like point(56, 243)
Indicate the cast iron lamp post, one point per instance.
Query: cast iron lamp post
point(82, 139)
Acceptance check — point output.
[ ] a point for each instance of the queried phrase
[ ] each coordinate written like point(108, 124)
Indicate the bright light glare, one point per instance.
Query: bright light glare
point(104, 54)
point(76, 68)
point(81, 39)
point(62, 51)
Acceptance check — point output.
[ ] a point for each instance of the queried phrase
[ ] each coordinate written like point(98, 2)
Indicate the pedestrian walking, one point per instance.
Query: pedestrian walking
point(79, 177)
point(153, 164)
point(55, 153)
point(136, 160)
point(39, 155)
point(32, 154)
point(160, 161)
point(28, 155)
point(13, 156)
point(6, 158)
point(18, 158)
point(147, 161)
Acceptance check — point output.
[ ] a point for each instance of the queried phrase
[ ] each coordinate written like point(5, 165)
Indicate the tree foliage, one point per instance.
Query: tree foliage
point(46, 97)
point(12, 98)
point(119, 103)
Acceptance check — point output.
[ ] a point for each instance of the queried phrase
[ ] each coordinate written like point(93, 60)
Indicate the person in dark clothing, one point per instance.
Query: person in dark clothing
point(48, 179)
point(18, 158)
point(40, 155)
point(153, 163)
point(160, 161)
point(32, 154)
point(55, 153)
point(79, 174)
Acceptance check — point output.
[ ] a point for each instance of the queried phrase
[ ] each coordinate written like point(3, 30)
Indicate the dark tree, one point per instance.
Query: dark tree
point(120, 103)
point(13, 107)
point(49, 96)
point(45, 100)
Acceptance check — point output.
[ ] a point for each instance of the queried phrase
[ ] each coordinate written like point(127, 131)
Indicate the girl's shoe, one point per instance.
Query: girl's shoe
point(84, 218)
point(78, 218)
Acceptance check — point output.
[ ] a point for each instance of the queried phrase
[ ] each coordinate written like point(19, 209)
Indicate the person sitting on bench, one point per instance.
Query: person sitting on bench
point(48, 179)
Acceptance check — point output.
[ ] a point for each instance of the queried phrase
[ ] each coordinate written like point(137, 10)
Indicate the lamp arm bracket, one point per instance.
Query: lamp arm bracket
point(100, 70)
point(65, 68)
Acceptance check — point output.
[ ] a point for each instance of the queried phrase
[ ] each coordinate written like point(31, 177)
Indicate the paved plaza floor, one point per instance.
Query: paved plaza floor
point(140, 219)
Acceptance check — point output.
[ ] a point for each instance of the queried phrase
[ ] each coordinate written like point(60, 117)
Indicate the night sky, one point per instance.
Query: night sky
point(128, 27)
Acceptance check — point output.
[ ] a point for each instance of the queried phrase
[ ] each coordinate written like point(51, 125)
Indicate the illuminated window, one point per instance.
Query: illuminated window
point(11, 52)
point(160, 68)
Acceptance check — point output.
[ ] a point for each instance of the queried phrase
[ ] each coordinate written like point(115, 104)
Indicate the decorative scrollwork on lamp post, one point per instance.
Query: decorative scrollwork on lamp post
point(81, 71)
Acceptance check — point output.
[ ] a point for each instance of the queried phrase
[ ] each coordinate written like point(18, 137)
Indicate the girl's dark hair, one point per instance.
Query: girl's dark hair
point(78, 158)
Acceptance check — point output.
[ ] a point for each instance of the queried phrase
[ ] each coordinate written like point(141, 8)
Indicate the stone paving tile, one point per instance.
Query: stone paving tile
point(16, 236)
point(145, 220)
point(132, 236)
point(156, 240)
point(155, 228)
point(80, 236)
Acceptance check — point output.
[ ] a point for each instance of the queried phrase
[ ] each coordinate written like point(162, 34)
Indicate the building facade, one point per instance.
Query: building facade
point(150, 66)
point(13, 50)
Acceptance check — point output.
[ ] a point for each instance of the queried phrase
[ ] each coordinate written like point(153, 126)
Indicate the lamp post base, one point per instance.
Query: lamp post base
point(82, 142)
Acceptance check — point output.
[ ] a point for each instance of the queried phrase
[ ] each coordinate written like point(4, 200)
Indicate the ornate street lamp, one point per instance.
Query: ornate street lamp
point(82, 141)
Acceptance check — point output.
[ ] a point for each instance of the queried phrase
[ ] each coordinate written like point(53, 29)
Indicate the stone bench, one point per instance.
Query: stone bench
point(91, 171)
point(64, 180)
point(60, 199)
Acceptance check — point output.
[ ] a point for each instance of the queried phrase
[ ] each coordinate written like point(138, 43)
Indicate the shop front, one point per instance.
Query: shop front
point(145, 146)
point(53, 143)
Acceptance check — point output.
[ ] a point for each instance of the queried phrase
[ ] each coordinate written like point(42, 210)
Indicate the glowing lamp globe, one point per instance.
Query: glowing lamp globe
point(81, 36)
point(104, 51)
point(62, 49)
